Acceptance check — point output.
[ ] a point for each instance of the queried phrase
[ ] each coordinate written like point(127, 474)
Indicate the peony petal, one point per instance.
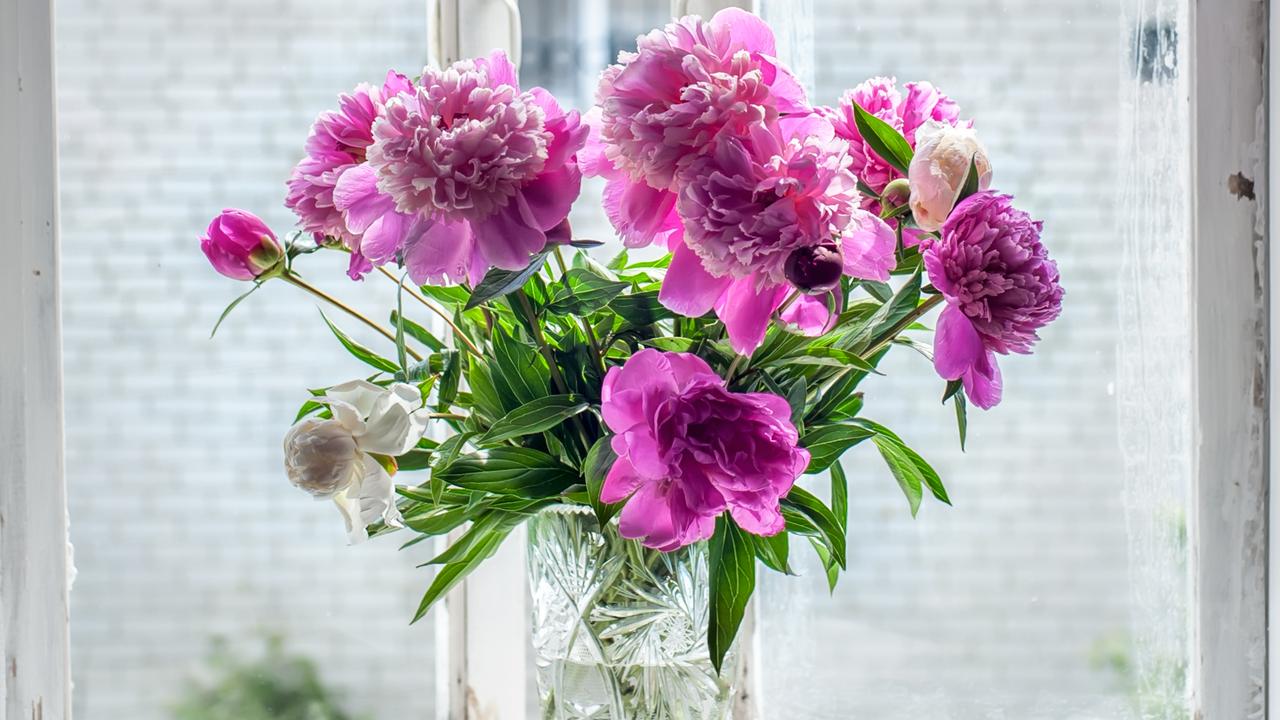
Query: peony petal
point(688, 288)
point(746, 311)
point(505, 240)
point(358, 266)
point(640, 214)
point(440, 253)
point(744, 31)
point(983, 384)
point(647, 517)
point(371, 500)
point(545, 201)
point(592, 158)
point(956, 344)
point(500, 69)
point(356, 195)
point(868, 245)
point(384, 239)
point(687, 368)
point(755, 513)
point(810, 313)
point(622, 480)
point(359, 394)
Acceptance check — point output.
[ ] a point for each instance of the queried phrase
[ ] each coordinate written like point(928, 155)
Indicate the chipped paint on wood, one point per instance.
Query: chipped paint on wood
point(1229, 504)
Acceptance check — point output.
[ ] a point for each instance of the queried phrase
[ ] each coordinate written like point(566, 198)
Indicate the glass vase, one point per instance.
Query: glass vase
point(619, 630)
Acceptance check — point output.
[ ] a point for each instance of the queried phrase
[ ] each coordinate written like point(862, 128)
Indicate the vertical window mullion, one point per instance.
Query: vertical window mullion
point(34, 553)
point(481, 629)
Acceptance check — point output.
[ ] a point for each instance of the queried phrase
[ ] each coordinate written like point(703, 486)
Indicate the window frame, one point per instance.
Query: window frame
point(483, 643)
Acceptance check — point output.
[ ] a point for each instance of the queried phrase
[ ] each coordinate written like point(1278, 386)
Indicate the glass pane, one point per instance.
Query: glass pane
point(186, 531)
point(1056, 586)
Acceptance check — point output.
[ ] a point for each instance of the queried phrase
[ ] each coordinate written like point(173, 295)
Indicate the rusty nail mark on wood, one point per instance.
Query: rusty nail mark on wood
point(1240, 186)
point(13, 667)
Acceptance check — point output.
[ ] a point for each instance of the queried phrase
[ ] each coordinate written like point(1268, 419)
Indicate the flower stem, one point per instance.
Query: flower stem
point(592, 340)
point(536, 328)
point(457, 332)
point(921, 309)
point(297, 281)
point(733, 368)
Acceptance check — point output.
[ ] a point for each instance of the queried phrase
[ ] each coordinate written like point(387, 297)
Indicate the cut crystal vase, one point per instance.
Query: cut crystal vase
point(619, 630)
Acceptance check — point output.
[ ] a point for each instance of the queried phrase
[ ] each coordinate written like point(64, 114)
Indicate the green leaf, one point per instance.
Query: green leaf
point(910, 470)
point(827, 356)
point(482, 548)
point(231, 307)
point(883, 139)
point(827, 443)
point(801, 501)
point(307, 408)
point(417, 332)
point(415, 459)
point(520, 374)
point(450, 376)
point(774, 552)
point(583, 292)
point(594, 470)
point(498, 282)
point(840, 496)
point(797, 396)
point(516, 471)
point(451, 295)
point(670, 344)
point(534, 417)
point(962, 418)
point(881, 291)
point(828, 563)
point(733, 579)
point(641, 308)
point(886, 319)
point(971, 181)
point(359, 351)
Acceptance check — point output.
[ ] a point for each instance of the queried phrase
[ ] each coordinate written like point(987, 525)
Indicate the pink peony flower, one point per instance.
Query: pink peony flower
point(1000, 287)
point(768, 214)
point(241, 246)
point(665, 105)
point(338, 143)
point(688, 450)
point(481, 170)
point(939, 170)
point(907, 113)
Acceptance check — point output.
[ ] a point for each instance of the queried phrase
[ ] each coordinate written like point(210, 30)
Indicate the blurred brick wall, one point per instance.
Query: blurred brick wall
point(183, 523)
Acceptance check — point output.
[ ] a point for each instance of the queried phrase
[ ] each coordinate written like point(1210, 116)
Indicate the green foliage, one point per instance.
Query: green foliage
point(275, 686)
point(521, 412)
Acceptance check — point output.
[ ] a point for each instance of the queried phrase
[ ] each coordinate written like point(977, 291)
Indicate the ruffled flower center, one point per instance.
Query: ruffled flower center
point(459, 146)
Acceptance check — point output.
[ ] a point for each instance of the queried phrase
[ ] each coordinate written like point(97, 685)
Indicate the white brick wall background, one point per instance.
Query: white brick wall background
point(185, 527)
point(183, 522)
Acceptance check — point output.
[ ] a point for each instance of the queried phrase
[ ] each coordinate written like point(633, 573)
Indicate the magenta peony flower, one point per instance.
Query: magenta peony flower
point(880, 97)
point(338, 141)
point(688, 450)
point(482, 170)
point(1000, 287)
point(241, 246)
point(768, 214)
point(665, 105)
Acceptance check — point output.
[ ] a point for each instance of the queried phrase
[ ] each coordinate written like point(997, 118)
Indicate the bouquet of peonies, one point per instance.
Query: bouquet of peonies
point(686, 395)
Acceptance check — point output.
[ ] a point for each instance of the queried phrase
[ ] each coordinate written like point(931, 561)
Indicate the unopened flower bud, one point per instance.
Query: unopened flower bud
point(815, 269)
point(896, 193)
point(321, 457)
point(241, 246)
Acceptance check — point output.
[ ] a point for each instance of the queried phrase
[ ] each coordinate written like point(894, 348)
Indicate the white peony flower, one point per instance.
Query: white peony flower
point(334, 459)
point(939, 168)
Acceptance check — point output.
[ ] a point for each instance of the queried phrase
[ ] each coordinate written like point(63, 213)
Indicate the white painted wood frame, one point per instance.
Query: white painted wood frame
point(1228, 533)
point(33, 523)
point(482, 628)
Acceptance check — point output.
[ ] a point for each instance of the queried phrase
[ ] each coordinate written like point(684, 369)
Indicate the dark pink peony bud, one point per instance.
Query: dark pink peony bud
point(241, 246)
point(816, 269)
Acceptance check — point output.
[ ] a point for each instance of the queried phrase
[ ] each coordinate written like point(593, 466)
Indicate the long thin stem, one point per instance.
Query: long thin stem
point(733, 368)
point(457, 332)
point(590, 332)
point(296, 281)
point(536, 328)
point(903, 324)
